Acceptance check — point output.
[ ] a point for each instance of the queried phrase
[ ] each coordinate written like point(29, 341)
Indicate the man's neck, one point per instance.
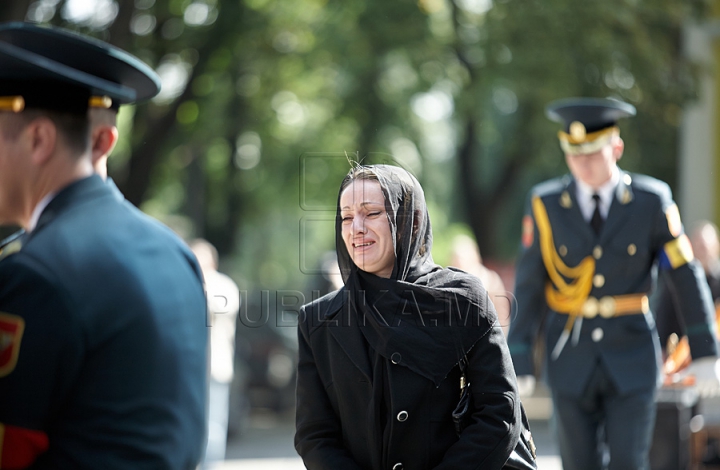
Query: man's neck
point(50, 181)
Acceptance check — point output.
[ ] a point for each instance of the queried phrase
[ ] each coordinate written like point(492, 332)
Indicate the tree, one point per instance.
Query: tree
point(264, 99)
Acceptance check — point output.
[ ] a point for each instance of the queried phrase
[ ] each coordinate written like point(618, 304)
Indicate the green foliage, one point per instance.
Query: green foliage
point(272, 94)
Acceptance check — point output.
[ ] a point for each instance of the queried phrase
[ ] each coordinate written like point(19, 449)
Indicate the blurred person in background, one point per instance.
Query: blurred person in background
point(87, 379)
point(223, 305)
point(466, 256)
point(590, 243)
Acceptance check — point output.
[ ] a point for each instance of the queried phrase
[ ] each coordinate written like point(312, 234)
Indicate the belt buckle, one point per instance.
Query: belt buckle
point(607, 307)
point(590, 308)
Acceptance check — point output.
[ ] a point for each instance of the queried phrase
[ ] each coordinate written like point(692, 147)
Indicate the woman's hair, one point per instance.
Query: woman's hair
point(358, 173)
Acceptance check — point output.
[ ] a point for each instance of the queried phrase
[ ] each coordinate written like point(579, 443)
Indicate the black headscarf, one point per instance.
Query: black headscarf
point(423, 316)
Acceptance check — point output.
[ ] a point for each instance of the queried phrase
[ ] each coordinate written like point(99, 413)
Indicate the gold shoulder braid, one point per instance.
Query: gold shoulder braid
point(561, 295)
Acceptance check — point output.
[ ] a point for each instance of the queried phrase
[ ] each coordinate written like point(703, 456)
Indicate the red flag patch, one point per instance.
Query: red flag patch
point(528, 231)
point(11, 331)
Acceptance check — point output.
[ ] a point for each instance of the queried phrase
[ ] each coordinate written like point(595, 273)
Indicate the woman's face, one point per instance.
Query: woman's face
point(365, 227)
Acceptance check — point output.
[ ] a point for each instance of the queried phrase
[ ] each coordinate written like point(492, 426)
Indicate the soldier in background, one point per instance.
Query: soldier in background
point(590, 243)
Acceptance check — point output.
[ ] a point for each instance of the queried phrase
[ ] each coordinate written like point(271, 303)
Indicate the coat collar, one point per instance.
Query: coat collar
point(619, 207)
point(569, 202)
point(77, 192)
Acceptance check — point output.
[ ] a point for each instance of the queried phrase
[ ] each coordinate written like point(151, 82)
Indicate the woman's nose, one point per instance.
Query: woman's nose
point(358, 225)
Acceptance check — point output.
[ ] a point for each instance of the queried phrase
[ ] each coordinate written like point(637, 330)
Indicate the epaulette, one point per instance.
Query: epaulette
point(651, 185)
point(550, 187)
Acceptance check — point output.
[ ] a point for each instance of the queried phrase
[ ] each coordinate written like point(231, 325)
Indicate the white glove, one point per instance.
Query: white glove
point(526, 385)
point(707, 375)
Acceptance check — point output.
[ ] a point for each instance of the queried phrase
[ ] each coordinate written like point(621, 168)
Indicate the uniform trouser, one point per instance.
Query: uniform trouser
point(601, 422)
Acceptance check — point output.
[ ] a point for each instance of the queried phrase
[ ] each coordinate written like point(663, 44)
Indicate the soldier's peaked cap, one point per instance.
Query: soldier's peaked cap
point(56, 69)
point(594, 113)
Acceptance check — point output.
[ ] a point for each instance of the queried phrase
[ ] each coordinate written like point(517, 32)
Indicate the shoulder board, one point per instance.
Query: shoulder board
point(650, 185)
point(11, 244)
point(550, 187)
point(8, 240)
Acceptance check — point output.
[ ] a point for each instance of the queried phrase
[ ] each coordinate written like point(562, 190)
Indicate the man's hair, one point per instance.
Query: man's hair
point(101, 116)
point(73, 129)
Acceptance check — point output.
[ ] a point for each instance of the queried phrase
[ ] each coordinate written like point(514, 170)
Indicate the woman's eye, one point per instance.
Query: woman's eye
point(347, 218)
point(374, 214)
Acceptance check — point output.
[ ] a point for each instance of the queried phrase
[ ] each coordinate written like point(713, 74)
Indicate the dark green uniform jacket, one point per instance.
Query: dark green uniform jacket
point(110, 363)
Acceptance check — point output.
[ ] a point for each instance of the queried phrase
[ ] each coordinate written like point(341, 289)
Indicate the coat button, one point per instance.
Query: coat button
point(597, 334)
point(598, 280)
point(402, 416)
point(398, 466)
point(632, 249)
point(562, 250)
point(396, 358)
point(597, 252)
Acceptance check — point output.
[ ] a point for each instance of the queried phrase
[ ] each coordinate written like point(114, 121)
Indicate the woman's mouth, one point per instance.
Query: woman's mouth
point(362, 245)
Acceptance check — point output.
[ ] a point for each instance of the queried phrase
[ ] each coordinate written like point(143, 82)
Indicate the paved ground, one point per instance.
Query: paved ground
point(268, 445)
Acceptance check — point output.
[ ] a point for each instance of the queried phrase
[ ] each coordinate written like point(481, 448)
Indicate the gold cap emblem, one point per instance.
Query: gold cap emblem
point(577, 131)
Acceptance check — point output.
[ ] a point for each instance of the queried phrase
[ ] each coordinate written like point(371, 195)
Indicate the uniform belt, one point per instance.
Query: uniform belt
point(615, 305)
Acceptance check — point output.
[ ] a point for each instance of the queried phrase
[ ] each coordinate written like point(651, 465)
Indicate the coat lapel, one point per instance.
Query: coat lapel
point(343, 328)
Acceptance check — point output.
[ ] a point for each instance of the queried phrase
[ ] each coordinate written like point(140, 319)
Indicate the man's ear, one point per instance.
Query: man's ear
point(103, 140)
point(618, 148)
point(42, 135)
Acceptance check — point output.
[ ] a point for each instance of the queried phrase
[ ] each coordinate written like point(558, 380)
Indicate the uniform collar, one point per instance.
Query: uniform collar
point(585, 192)
point(84, 189)
point(606, 192)
point(39, 208)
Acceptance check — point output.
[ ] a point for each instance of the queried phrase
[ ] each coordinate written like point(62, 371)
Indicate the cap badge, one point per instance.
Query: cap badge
point(577, 131)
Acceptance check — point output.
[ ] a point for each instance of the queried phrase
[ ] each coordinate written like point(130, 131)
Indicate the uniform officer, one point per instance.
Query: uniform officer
point(103, 339)
point(591, 243)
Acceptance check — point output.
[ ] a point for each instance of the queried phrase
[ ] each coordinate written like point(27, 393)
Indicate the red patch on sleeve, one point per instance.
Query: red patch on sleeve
point(11, 331)
point(20, 447)
point(528, 231)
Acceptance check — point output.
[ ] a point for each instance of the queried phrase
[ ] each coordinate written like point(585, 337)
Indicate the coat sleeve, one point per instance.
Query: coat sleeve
point(318, 433)
point(686, 279)
point(529, 304)
point(496, 420)
point(40, 351)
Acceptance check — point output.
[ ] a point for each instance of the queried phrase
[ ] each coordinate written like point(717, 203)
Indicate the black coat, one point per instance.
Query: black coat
point(337, 427)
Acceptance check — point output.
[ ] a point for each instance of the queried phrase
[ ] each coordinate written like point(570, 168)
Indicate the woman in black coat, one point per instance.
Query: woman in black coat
point(378, 374)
